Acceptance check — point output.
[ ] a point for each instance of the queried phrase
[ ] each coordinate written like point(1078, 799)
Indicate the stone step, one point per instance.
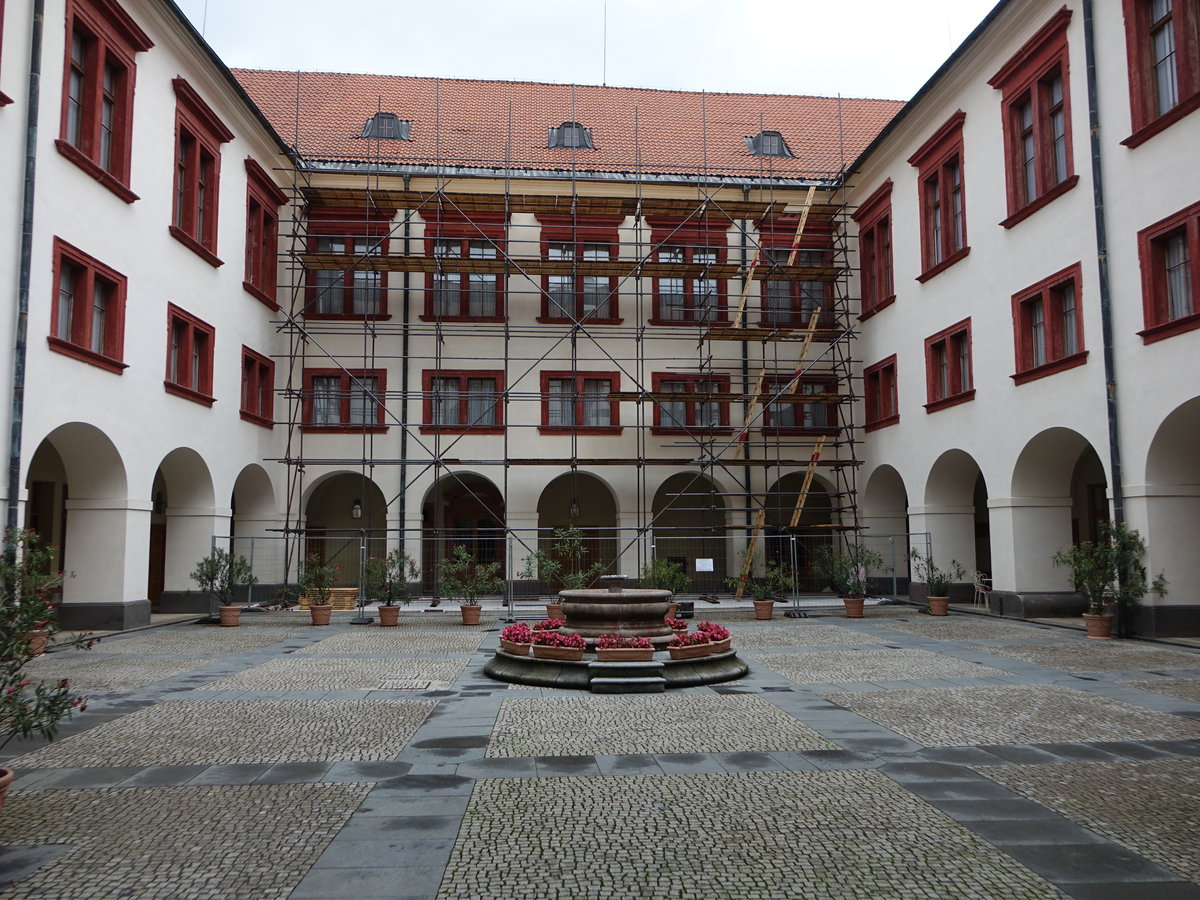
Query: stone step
point(618, 670)
point(646, 685)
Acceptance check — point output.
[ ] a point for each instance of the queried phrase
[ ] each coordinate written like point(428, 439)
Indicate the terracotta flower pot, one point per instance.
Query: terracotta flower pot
point(231, 616)
point(692, 651)
point(553, 610)
point(624, 654)
point(764, 609)
point(38, 639)
point(672, 606)
point(514, 647)
point(6, 778)
point(545, 651)
point(470, 613)
point(719, 646)
point(389, 616)
point(854, 607)
point(939, 606)
point(1099, 627)
point(321, 614)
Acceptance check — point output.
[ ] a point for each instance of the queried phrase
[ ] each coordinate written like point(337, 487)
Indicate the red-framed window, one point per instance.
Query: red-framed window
point(463, 400)
point(1035, 102)
point(258, 388)
point(879, 392)
point(788, 413)
point(695, 410)
point(341, 400)
point(942, 195)
point(4, 98)
point(1048, 323)
point(467, 283)
point(353, 287)
point(1162, 40)
point(87, 318)
point(263, 199)
point(791, 296)
point(1170, 256)
point(98, 77)
point(189, 356)
point(199, 135)
point(578, 401)
point(876, 276)
point(693, 297)
point(581, 250)
point(948, 369)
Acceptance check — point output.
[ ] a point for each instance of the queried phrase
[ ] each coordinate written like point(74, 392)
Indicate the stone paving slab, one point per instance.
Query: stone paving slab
point(193, 640)
point(1020, 714)
point(810, 836)
point(198, 843)
point(1182, 688)
point(1150, 807)
point(1101, 656)
point(297, 673)
point(827, 667)
point(240, 731)
point(399, 640)
point(687, 723)
point(91, 673)
point(963, 628)
point(800, 634)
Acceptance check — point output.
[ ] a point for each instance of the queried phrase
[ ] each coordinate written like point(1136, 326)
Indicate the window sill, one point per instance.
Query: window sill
point(787, 430)
point(943, 265)
point(348, 317)
point(1044, 200)
point(882, 304)
point(882, 423)
point(92, 168)
point(343, 429)
point(722, 429)
point(1051, 368)
point(195, 246)
point(1166, 330)
point(429, 317)
point(256, 419)
point(261, 296)
point(461, 429)
point(689, 323)
point(582, 429)
point(1163, 122)
point(953, 400)
point(83, 355)
point(188, 394)
point(558, 320)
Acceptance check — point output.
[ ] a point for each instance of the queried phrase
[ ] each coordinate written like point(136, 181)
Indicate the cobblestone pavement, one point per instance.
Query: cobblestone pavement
point(894, 756)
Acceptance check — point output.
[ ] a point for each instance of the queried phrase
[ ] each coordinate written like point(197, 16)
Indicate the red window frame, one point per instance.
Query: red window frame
point(450, 225)
point(580, 232)
point(258, 388)
point(949, 367)
point(797, 387)
point(189, 356)
point(580, 425)
point(352, 226)
point(347, 388)
point(881, 394)
point(263, 199)
point(88, 272)
point(1152, 248)
point(464, 376)
point(96, 130)
point(776, 237)
point(877, 275)
point(1184, 28)
point(1040, 321)
point(1029, 113)
point(687, 238)
point(693, 383)
point(199, 135)
point(942, 198)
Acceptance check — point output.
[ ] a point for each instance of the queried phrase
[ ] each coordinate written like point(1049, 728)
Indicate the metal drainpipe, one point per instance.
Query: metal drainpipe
point(746, 472)
point(17, 412)
point(1106, 324)
point(403, 501)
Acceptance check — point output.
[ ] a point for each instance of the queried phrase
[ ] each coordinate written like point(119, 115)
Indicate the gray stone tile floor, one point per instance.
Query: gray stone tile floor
point(896, 756)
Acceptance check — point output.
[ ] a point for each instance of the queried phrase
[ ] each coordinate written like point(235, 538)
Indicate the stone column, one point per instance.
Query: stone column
point(107, 564)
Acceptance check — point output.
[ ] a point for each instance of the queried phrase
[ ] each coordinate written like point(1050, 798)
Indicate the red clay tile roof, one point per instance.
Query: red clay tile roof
point(467, 123)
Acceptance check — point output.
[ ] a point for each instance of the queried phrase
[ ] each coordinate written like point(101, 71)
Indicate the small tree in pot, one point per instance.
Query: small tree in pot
point(465, 579)
point(847, 573)
point(561, 564)
point(387, 579)
point(763, 591)
point(219, 574)
point(937, 581)
point(316, 583)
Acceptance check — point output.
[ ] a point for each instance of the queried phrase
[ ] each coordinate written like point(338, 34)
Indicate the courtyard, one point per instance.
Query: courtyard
point(897, 756)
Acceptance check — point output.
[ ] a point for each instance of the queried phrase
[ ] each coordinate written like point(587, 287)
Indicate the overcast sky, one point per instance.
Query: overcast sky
point(856, 48)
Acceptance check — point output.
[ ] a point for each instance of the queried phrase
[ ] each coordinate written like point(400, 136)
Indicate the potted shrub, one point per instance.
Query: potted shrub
point(847, 574)
point(762, 591)
point(219, 574)
point(516, 639)
point(937, 581)
point(1108, 574)
point(316, 583)
point(718, 636)
point(27, 622)
point(663, 575)
point(690, 646)
point(554, 645)
point(465, 579)
point(386, 580)
point(618, 648)
point(561, 564)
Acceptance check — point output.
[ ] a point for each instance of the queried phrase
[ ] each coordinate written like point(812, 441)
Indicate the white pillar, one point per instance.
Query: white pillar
point(107, 550)
point(190, 532)
point(1026, 533)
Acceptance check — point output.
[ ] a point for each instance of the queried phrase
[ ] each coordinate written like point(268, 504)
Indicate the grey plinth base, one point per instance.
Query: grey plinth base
point(615, 678)
point(104, 615)
point(1035, 606)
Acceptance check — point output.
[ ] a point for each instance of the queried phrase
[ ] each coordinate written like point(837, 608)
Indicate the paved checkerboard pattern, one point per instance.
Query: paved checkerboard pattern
point(825, 667)
point(407, 640)
point(1183, 688)
point(329, 673)
point(1101, 656)
point(801, 633)
point(95, 674)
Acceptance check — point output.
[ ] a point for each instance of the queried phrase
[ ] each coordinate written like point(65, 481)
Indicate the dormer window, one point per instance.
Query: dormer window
point(386, 126)
point(767, 143)
point(570, 134)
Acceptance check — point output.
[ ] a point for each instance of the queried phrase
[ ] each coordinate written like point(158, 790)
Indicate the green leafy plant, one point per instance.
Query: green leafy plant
point(847, 572)
point(663, 575)
point(387, 578)
point(775, 580)
point(220, 573)
point(317, 580)
point(562, 562)
point(1110, 570)
point(465, 578)
point(937, 581)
